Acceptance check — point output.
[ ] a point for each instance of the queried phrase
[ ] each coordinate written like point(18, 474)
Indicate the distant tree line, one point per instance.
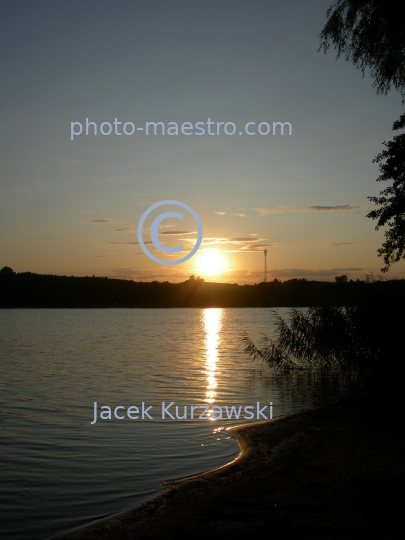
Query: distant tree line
point(28, 290)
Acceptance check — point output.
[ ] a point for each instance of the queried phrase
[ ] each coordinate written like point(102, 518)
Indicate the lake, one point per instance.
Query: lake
point(60, 470)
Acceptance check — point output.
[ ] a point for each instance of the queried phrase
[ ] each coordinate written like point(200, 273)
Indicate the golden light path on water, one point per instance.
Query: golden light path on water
point(212, 325)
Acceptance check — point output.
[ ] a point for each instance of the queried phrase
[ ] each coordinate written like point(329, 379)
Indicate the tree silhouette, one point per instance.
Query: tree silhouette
point(369, 33)
point(6, 270)
point(392, 198)
point(341, 279)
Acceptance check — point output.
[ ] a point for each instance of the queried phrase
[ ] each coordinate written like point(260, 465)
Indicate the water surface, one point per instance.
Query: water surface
point(58, 470)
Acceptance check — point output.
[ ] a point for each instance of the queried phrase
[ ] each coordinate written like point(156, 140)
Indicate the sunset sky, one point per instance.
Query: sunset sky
point(72, 206)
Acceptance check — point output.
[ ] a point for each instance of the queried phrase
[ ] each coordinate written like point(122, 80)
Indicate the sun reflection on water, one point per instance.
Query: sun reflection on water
point(212, 325)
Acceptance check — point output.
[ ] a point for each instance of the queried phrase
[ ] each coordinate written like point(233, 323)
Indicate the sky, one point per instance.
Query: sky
point(70, 203)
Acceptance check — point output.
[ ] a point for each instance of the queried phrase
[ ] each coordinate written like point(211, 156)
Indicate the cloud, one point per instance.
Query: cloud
point(333, 208)
point(274, 210)
point(232, 214)
point(126, 229)
point(241, 276)
point(178, 232)
point(256, 276)
point(212, 241)
point(282, 209)
point(100, 221)
point(223, 241)
point(239, 244)
point(308, 272)
point(161, 273)
point(348, 269)
point(251, 276)
point(258, 247)
point(337, 244)
point(124, 243)
point(248, 239)
point(277, 210)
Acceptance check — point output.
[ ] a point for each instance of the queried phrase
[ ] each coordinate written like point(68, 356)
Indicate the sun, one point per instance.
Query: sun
point(211, 263)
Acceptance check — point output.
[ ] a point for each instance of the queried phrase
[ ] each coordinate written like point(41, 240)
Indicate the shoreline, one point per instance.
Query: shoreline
point(95, 525)
point(336, 471)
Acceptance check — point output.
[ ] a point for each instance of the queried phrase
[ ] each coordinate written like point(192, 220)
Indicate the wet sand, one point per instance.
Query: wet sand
point(336, 472)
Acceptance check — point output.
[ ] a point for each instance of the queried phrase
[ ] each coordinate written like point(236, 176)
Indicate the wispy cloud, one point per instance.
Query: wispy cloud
point(175, 275)
point(309, 272)
point(337, 244)
point(278, 210)
point(176, 233)
point(256, 276)
point(224, 241)
point(239, 214)
point(100, 221)
point(258, 247)
point(126, 229)
point(124, 243)
point(282, 209)
point(332, 208)
point(246, 239)
point(239, 244)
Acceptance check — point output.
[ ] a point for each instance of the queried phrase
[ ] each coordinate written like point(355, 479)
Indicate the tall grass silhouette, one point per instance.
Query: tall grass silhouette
point(353, 340)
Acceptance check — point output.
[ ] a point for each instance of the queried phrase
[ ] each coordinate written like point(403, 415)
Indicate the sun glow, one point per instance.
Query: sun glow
point(211, 263)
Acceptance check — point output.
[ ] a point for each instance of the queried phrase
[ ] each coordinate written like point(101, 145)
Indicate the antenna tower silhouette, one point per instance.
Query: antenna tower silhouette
point(265, 266)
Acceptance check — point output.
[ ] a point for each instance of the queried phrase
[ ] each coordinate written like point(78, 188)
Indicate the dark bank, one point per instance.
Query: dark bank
point(336, 472)
point(29, 290)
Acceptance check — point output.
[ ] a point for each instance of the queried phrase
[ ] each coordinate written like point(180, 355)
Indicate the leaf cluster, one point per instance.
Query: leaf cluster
point(391, 202)
point(371, 34)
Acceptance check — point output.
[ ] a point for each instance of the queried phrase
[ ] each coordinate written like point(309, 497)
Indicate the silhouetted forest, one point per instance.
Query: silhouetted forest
point(30, 290)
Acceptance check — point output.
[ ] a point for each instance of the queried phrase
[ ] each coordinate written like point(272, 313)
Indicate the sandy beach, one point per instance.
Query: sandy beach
point(335, 472)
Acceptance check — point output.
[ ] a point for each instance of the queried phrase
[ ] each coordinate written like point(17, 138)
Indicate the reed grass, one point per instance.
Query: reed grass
point(338, 338)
